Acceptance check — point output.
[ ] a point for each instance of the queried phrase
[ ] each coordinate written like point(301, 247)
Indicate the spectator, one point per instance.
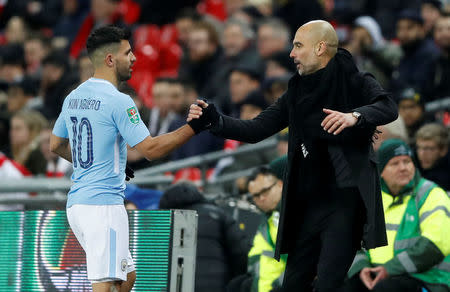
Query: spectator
point(411, 110)
point(273, 36)
point(221, 246)
point(36, 48)
point(56, 165)
point(274, 87)
point(237, 40)
point(416, 213)
point(371, 52)
point(243, 80)
point(279, 65)
point(16, 31)
point(233, 6)
point(22, 95)
point(430, 11)
point(37, 13)
point(438, 83)
point(57, 81)
point(184, 22)
point(143, 199)
point(73, 13)
point(282, 145)
point(13, 63)
point(24, 139)
point(265, 189)
point(103, 12)
point(418, 51)
point(432, 152)
point(203, 58)
point(85, 67)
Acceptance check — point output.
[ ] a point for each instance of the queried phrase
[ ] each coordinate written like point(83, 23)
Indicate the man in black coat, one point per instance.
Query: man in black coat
point(331, 194)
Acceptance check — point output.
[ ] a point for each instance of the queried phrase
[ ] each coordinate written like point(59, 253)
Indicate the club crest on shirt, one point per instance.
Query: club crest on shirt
point(133, 115)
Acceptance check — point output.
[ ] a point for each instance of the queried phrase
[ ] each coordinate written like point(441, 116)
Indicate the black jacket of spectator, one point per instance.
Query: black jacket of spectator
point(55, 95)
point(438, 83)
point(439, 173)
point(221, 246)
point(415, 66)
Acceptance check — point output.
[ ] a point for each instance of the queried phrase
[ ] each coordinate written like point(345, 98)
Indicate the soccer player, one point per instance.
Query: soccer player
point(92, 131)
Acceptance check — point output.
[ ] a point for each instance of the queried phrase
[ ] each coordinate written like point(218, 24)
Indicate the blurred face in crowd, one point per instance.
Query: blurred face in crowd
point(266, 191)
point(184, 26)
point(15, 30)
point(86, 68)
point(409, 32)
point(249, 111)
point(429, 152)
point(398, 172)
point(231, 6)
point(360, 39)
point(273, 69)
point(241, 85)
point(51, 74)
point(282, 147)
point(19, 134)
point(11, 72)
point(161, 98)
point(35, 51)
point(200, 46)
point(44, 139)
point(234, 40)
point(16, 99)
point(429, 14)
point(176, 95)
point(70, 6)
point(102, 10)
point(267, 42)
point(442, 33)
point(410, 111)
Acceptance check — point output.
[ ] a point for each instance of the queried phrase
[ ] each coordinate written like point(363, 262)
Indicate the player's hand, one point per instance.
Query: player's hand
point(335, 122)
point(196, 110)
point(129, 173)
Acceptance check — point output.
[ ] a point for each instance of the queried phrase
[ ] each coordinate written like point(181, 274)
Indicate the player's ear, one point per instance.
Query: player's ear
point(109, 60)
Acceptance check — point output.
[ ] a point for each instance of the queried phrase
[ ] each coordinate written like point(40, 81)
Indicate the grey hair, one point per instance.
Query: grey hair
point(280, 29)
point(246, 29)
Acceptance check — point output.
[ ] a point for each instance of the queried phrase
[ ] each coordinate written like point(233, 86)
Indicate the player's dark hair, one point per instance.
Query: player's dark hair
point(106, 35)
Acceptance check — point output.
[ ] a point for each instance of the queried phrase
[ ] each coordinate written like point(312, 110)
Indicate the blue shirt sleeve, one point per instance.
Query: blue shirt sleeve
point(129, 122)
point(60, 128)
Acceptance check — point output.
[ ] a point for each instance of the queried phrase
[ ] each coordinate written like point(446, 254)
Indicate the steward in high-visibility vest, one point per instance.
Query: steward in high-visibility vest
point(417, 215)
point(266, 272)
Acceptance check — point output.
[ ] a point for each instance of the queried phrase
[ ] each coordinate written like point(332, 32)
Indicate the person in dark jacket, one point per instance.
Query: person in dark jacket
point(221, 246)
point(331, 192)
point(433, 155)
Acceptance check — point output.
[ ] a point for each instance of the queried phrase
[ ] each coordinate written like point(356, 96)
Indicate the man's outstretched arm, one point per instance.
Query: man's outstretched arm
point(157, 147)
point(61, 146)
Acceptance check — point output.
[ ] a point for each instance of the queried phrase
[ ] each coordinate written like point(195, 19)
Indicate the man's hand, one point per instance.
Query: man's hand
point(129, 173)
point(366, 278)
point(202, 116)
point(381, 273)
point(336, 121)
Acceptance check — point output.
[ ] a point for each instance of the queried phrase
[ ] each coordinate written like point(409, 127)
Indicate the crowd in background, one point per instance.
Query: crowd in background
point(235, 53)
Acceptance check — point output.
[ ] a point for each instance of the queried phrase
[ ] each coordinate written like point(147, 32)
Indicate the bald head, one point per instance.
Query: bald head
point(321, 31)
point(314, 45)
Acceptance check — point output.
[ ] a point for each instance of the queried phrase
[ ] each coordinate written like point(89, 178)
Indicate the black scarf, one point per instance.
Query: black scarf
point(332, 87)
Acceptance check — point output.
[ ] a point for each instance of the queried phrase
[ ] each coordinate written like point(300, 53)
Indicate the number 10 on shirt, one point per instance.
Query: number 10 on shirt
point(77, 143)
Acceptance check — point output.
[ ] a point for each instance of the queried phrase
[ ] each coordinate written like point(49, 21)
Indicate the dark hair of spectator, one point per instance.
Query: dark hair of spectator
point(106, 35)
point(57, 58)
point(213, 36)
point(189, 13)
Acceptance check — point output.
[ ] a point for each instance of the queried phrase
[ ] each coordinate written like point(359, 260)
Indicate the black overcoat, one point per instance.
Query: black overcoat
point(376, 107)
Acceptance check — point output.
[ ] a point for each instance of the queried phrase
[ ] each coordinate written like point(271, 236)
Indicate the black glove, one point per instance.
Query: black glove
point(208, 119)
point(129, 173)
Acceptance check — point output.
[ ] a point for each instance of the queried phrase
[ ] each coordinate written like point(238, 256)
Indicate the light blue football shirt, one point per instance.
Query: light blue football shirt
point(99, 122)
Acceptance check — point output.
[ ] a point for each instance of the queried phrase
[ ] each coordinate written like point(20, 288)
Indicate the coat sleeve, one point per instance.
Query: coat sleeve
point(380, 108)
point(267, 123)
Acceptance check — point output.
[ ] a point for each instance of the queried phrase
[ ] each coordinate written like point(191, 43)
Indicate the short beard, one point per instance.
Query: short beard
point(122, 77)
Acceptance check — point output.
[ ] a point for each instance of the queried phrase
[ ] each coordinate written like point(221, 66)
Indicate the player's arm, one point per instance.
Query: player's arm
point(61, 146)
point(160, 146)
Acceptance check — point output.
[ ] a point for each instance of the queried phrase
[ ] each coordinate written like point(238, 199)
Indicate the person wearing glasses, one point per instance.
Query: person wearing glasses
point(264, 273)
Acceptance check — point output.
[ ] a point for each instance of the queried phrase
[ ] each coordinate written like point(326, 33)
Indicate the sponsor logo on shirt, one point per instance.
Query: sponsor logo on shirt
point(133, 115)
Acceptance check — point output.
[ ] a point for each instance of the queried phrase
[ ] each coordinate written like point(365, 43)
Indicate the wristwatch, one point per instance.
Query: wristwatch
point(356, 115)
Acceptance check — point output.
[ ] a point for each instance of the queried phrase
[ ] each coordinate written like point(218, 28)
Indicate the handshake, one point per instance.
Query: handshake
point(202, 116)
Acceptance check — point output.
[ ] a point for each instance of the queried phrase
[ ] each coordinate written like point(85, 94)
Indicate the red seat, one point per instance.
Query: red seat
point(142, 82)
point(148, 59)
point(170, 58)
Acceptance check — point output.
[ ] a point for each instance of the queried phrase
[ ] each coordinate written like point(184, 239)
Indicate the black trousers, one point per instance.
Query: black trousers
point(329, 234)
point(403, 283)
